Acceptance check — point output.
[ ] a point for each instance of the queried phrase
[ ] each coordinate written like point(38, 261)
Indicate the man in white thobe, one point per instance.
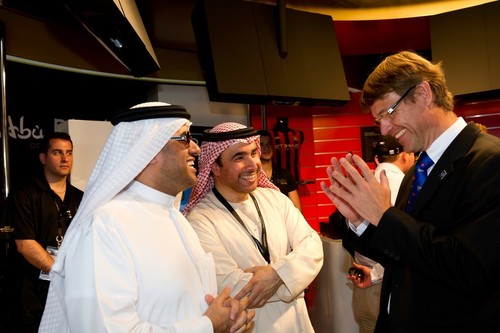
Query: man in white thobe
point(262, 245)
point(130, 261)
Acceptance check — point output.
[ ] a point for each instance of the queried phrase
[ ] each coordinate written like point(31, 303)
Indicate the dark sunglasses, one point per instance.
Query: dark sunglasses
point(186, 137)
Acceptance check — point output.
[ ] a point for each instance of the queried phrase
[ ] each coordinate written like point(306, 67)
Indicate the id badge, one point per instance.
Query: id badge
point(53, 253)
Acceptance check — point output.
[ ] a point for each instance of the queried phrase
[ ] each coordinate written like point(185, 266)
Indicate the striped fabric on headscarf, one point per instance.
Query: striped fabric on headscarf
point(209, 152)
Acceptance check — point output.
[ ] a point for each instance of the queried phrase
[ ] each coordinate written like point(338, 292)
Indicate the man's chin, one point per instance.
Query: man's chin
point(252, 188)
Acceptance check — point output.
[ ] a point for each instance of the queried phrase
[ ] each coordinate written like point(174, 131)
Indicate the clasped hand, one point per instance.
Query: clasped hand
point(228, 314)
point(357, 194)
point(261, 287)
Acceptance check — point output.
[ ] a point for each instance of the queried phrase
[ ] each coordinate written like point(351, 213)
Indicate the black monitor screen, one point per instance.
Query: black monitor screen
point(237, 43)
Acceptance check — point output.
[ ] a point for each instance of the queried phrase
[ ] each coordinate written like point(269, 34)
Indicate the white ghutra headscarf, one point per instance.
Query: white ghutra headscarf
point(137, 137)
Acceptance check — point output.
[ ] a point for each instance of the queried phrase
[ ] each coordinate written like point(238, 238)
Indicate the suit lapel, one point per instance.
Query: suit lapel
point(445, 166)
point(404, 189)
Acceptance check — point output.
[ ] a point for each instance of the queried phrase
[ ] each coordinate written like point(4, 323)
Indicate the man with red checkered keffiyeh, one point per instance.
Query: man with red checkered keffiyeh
point(262, 245)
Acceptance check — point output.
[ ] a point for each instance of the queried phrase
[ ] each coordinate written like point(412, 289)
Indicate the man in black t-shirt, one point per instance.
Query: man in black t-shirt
point(40, 212)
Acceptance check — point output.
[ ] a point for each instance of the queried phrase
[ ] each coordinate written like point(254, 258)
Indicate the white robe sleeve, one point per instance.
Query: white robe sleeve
point(302, 264)
point(105, 296)
point(296, 249)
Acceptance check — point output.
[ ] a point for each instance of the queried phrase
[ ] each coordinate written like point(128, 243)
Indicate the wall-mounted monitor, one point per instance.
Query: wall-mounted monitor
point(240, 56)
point(118, 26)
point(467, 43)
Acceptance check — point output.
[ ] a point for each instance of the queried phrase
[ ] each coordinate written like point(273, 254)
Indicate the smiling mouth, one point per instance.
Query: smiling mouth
point(250, 177)
point(400, 133)
point(191, 165)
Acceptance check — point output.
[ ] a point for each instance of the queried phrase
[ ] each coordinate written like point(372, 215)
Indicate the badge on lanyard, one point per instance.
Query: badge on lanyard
point(53, 253)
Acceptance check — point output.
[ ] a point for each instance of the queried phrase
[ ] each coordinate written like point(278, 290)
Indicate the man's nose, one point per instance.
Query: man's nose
point(385, 126)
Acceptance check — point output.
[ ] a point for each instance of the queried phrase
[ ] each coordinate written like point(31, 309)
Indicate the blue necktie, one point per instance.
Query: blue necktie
point(419, 177)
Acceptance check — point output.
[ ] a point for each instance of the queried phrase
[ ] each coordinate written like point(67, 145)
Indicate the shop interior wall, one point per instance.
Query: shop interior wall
point(39, 99)
point(195, 99)
point(37, 96)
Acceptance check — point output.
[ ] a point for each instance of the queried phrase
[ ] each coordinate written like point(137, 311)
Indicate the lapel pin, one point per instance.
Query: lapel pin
point(442, 174)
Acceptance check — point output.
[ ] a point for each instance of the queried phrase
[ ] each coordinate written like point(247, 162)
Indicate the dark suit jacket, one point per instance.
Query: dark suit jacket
point(442, 261)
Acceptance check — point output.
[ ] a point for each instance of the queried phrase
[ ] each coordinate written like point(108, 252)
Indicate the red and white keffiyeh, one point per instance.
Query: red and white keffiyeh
point(209, 153)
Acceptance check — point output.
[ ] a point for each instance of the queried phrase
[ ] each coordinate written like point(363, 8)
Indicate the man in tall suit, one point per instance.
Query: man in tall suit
point(439, 244)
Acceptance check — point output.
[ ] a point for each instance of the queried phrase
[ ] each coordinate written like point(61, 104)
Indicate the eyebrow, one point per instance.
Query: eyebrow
point(384, 110)
point(181, 134)
point(61, 150)
point(238, 154)
point(381, 112)
point(244, 153)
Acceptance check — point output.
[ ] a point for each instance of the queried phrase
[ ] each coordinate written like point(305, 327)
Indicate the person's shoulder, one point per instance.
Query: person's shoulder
point(115, 210)
point(482, 158)
point(29, 186)
point(207, 206)
point(388, 167)
point(274, 200)
point(76, 191)
point(475, 141)
point(485, 149)
point(283, 177)
point(488, 142)
point(269, 194)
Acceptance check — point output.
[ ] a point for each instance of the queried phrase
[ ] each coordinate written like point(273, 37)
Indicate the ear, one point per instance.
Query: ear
point(406, 159)
point(155, 159)
point(425, 93)
point(407, 156)
point(216, 169)
point(43, 158)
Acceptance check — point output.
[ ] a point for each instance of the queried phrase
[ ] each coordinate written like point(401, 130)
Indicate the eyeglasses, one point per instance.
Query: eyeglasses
point(186, 137)
point(389, 114)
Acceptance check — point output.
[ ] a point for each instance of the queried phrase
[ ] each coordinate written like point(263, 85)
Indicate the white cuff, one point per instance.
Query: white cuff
point(360, 228)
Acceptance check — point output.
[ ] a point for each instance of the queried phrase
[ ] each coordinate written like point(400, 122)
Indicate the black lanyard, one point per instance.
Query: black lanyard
point(263, 248)
point(59, 237)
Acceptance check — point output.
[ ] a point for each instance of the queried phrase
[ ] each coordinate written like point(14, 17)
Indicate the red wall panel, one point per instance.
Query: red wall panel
point(334, 131)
